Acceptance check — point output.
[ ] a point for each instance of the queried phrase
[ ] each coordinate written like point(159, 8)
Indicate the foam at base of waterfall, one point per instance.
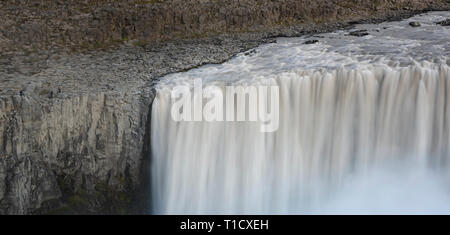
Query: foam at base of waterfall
point(393, 189)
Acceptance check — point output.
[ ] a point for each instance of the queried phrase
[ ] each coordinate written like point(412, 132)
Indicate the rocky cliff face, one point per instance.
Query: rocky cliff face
point(85, 151)
point(74, 127)
point(74, 137)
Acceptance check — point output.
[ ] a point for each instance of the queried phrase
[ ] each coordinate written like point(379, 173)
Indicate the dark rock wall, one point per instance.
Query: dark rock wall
point(35, 24)
point(82, 155)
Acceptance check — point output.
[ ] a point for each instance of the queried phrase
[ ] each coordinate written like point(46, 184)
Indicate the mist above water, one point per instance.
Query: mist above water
point(393, 189)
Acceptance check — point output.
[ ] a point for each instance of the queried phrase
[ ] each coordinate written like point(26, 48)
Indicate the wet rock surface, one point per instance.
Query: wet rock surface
point(359, 33)
point(444, 22)
point(74, 121)
point(414, 24)
point(314, 41)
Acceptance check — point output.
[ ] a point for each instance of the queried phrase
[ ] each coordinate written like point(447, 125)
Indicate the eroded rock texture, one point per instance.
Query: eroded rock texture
point(31, 24)
point(85, 151)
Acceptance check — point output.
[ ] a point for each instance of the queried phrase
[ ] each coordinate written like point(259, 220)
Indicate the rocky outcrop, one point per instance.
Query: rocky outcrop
point(78, 24)
point(74, 127)
point(65, 152)
point(444, 23)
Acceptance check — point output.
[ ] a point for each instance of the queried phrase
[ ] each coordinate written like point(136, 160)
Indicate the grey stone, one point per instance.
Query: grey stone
point(314, 41)
point(444, 22)
point(359, 33)
point(414, 24)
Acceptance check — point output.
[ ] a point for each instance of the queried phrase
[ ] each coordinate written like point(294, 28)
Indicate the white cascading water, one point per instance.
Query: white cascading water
point(364, 127)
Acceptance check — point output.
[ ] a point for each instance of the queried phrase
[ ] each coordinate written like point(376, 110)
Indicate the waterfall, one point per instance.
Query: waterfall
point(332, 124)
point(364, 127)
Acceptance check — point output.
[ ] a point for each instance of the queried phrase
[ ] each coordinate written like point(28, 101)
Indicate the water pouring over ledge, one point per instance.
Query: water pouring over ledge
point(363, 128)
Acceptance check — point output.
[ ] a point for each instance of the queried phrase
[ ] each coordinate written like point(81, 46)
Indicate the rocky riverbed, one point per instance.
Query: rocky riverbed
point(74, 121)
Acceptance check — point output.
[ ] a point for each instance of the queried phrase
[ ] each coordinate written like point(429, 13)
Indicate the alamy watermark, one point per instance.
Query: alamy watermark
point(242, 103)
